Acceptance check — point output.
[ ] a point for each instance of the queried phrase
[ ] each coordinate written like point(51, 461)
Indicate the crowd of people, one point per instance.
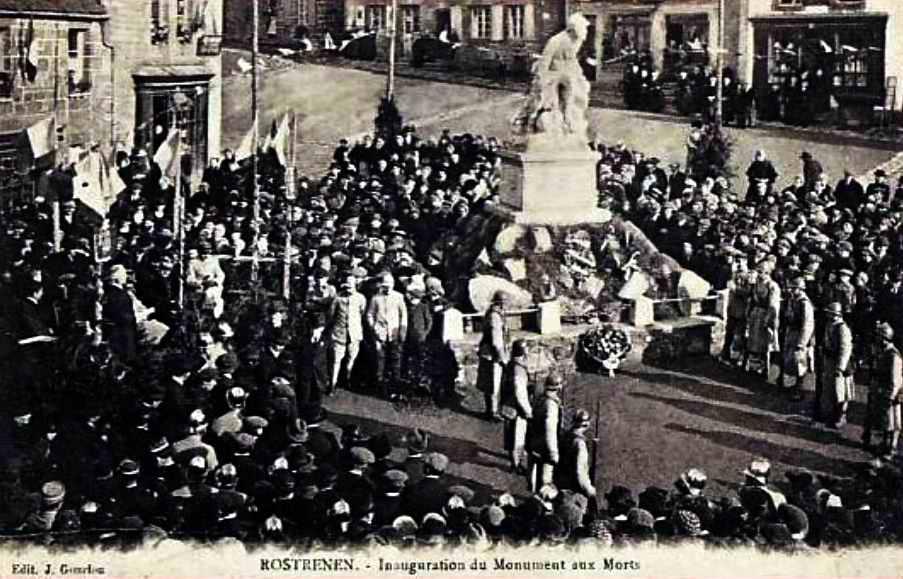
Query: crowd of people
point(150, 403)
point(812, 265)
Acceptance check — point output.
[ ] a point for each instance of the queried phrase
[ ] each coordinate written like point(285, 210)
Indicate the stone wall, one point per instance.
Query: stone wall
point(31, 102)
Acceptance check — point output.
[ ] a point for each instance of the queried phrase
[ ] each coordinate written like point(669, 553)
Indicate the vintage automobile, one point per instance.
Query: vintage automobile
point(427, 49)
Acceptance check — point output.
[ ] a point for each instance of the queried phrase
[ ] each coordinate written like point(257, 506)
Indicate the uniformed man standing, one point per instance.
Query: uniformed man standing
point(494, 355)
point(520, 397)
point(883, 408)
point(800, 325)
point(837, 355)
point(544, 453)
point(576, 458)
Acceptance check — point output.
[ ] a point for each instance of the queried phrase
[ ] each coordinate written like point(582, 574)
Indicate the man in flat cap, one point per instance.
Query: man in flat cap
point(387, 325)
point(344, 329)
point(543, 433)
point(389, 500)
point(575, 471)
point(493, 354)
point(428, 495)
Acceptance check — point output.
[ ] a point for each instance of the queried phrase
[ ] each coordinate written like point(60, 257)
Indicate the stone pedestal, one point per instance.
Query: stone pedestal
point(643, 312)
point(551, 187)
point(549, 317)
point(452, 325)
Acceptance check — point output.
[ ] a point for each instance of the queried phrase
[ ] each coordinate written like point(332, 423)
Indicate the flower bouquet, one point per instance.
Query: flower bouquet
point(607, 346)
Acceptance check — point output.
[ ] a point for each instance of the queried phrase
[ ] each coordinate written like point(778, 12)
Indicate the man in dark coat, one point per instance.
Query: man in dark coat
point(849, 192)
point(119, 317)
point(428, 495)
point(812, 169)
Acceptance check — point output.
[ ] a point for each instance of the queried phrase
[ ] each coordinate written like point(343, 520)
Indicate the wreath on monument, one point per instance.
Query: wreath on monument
point(606, 346)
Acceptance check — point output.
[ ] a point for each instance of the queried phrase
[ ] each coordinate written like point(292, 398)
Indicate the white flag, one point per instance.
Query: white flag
point(280, 141)
point(246, 148)
point(167, 156)
point(42, 137)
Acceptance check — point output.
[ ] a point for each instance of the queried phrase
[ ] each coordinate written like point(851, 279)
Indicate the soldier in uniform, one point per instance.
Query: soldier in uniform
point(763, 320)
point(544, 453)
point(738, 299)
point(883, 408)
point(576, 458)
point(494, 355)
point(837, 355)
point(519, 389)
point(800, 324)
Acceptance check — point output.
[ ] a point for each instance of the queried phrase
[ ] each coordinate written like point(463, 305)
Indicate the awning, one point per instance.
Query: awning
point(172, 73)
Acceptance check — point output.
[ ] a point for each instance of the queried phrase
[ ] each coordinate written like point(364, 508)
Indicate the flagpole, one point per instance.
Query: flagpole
point(255, 126)
point(180, 215)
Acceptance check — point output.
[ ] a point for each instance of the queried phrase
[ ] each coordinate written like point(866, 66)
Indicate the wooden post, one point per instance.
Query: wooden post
point(180, 217)
point(390, 80)
point(255, 126)
point(719, 60)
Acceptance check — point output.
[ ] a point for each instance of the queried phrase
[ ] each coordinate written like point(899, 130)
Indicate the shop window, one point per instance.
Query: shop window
point(481, 22)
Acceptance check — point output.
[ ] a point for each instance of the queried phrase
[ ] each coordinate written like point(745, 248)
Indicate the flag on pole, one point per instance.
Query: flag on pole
point(280, 141)
point(268, 140)
point(167, 156)
point(246, 148)
point(27, 61)
point(96, 184)
point(42, 137)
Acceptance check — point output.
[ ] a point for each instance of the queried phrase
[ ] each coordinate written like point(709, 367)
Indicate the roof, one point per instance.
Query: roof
point(54, 7)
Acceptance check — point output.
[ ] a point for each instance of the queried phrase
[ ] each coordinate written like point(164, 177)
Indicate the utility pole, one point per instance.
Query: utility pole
point(719, 60)
point(255, 131)
point(390, 80)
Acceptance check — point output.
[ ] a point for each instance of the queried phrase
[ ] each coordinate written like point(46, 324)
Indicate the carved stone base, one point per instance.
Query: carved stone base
point(551, 187)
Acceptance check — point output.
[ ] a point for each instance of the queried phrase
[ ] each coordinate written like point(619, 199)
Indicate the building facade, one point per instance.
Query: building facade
point(117, 73)
point(673, 32)
point(504, 25)
point(51, 59)
point(165, 70)
point(281, 23)
point(855, 45)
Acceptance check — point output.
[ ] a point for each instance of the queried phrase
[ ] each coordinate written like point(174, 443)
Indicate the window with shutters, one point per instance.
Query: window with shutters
point(515, 15)
point(481, 22)
point(7, 66)
point(79, 74)
point(376, 17)
point(410, 22)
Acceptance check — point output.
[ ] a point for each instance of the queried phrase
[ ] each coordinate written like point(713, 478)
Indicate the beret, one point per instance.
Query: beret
point(395, 478)
point(362, 456)
point(437, 461)
point(462, 491)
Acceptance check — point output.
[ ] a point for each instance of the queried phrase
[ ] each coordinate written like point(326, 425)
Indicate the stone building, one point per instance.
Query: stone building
point(117, 73)
point(501, 25)
point(282, 23)
point(166, 71)
point(51, 64)
point(857, 44)
point(674, 32)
